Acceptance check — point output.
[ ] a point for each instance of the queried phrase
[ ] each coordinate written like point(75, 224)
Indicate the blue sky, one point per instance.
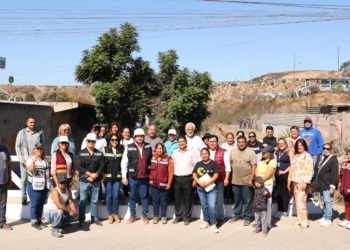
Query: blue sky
point(43, 40)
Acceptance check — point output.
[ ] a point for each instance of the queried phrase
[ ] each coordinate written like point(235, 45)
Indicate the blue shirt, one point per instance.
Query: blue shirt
point(170, 147)
point(4, 154)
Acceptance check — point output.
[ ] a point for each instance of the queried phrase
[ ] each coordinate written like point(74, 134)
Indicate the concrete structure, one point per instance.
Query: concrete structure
point(49, 116)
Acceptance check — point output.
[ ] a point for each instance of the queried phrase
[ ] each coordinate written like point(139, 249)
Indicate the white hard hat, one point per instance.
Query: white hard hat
point(172, 131)
point(91, 137)
point(139, 131)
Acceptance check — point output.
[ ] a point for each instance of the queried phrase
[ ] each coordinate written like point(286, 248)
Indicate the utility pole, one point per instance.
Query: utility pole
point(339, 46)
point(294, 67)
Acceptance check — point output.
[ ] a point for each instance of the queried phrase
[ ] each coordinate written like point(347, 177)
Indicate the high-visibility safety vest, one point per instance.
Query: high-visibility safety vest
point(113, 164)
point(159, 172)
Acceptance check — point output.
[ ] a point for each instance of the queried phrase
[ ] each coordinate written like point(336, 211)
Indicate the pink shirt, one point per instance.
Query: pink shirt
point(69, 165)
point(184, 161)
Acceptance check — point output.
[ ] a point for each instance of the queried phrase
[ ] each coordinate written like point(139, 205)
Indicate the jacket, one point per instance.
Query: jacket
point(93, 163)
point(22, 144)
point(260, 200)
point(327, 176)
point(170, 147)
point(314, 140)
point(219, 158)
point(161, 174)
point(133, 156)
point(112, 169)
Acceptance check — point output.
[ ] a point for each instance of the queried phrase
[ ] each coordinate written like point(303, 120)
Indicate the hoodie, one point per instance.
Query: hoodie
point(313, 139)
point(260, 200)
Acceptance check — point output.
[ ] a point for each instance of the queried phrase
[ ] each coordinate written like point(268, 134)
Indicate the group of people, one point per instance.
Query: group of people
point(245, 122)
point(247, 171)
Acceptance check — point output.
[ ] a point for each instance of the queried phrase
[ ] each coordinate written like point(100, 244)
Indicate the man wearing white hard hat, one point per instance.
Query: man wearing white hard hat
point(136, 162)
point(90, 164)
point(171, 144)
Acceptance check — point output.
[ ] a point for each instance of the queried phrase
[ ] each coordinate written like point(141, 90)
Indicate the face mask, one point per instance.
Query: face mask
point(326, 154)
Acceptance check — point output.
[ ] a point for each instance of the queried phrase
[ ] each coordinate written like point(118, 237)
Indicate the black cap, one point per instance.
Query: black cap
point(206, 136)
point(38, 145)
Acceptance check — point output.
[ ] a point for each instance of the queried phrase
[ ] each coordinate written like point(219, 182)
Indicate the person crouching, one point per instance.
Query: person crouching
point(261, 195)
point(56, 210)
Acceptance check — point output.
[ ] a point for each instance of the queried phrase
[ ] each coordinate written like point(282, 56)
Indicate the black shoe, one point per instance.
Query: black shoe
point(36, 226)
point(246, 222)
point(24, 202)
point(40, 223)
point(97, 222)
point(103, 202)
point(186, 222)
point(220, 222)
point(175, 221)
point(81, 224)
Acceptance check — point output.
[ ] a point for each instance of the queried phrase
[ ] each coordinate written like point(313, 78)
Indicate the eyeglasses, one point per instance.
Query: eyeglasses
point(324, 148)
point(66, 130)
point(252, 136)
point(89, 141)
point(114, 139)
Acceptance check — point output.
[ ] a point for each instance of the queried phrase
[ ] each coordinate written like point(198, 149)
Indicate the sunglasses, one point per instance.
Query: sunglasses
point(324, 148)
point(114, 139)
point(66, 130)
point(90, 141)
point(252, 136)
point(64, 142)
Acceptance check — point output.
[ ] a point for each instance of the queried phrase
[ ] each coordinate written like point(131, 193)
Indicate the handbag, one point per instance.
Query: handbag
point(314, 186)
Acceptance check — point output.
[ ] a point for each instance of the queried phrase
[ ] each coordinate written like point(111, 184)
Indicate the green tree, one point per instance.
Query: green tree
point(29, 97)
point(11, 79)
point(345, 65)
point(123, 84)
point(52, 97)
point(186, 96)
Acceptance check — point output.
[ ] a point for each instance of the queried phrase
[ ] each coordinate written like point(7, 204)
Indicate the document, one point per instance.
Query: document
point(206, 178)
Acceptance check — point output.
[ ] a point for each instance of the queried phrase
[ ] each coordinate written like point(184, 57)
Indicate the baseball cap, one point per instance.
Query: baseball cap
point(268, 149)
point(38, 145)
point(63, 138)
point(172, 132)
point(308, 119)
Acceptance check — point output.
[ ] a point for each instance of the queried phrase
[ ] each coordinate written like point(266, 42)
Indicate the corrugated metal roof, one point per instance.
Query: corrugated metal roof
point(57, 106)
point(284, 119)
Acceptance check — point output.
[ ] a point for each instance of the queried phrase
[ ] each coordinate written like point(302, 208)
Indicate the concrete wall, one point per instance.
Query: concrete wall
point(13, 118)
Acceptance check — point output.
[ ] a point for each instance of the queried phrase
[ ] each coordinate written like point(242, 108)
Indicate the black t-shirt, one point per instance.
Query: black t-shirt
point(257, 147)
point(271, 141)
point(210, 168)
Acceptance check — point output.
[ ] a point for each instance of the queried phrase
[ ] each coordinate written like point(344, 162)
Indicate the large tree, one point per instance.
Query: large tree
point(186, 95)
point(122, 84)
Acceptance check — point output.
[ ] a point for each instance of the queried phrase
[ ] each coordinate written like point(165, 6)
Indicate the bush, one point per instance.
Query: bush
point(29, 97)
point(3, 96)
point(53, 97)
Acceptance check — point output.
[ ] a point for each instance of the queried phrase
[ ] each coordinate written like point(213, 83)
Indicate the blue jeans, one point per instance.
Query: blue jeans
point(134, 183)
point(208, 200)
point(37, 201)
point(159, 198)
point(327, 201)
point(242, 194)
point(220, 207)
point(112, 196)
point(24, 176)
point(58, 217)
point(86, 189)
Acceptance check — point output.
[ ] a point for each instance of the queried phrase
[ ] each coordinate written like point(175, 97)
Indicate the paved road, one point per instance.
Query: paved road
point(283, 235)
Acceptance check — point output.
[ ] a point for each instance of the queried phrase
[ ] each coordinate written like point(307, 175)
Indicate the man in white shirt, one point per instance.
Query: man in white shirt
point(222, 158)
point(194, 142)
point(100, 142)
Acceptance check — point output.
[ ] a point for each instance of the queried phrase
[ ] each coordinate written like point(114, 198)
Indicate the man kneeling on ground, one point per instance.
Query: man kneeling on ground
point(56, 210)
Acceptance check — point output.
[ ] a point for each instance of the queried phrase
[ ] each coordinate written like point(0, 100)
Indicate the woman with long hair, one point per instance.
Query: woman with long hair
point(282, 173)
point(62, 163)
point(112, 174)
point(300, 175)
point(64, 130)
point(38, 184)
point(113, 129)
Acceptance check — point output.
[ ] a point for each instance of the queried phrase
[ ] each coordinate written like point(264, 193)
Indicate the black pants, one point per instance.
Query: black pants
point(3, 201)
point(282, 193)
point(183, 197)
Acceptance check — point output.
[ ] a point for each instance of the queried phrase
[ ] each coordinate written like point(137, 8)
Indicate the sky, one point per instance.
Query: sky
point(43, 41)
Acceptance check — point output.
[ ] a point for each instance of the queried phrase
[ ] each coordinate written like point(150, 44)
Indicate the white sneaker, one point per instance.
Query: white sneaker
point(348, 226)
point(321, 220)
point(326, 223)
point(204, 225)
point(215, 229)
point(283, 215)
point(344, 223)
